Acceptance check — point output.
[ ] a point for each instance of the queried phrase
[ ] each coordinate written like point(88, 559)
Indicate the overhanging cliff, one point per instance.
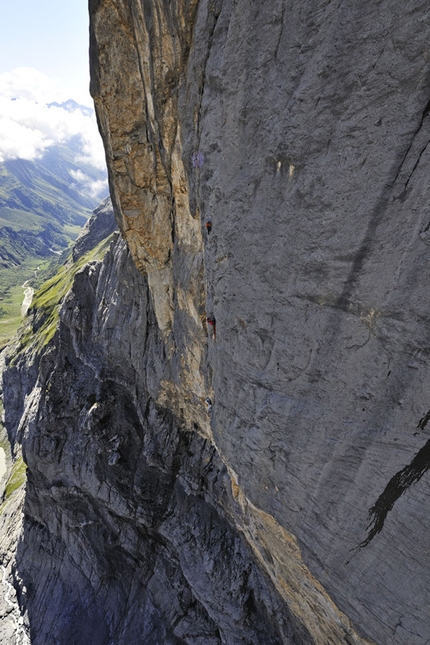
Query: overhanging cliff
point(297, 510)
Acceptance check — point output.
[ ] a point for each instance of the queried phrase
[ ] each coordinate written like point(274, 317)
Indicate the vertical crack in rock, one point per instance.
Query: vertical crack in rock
point(281, 28)
point(215, 12)
point(399, 484)
point(416, 164)
point(411, 147)
point(426, 418)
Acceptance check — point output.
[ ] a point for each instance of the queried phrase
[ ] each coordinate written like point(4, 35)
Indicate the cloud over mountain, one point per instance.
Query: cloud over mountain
point(34, 115)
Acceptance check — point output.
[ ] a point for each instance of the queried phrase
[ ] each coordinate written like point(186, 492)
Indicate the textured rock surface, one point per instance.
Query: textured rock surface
point(131, 530)
point(302, 502)
point(14, 626)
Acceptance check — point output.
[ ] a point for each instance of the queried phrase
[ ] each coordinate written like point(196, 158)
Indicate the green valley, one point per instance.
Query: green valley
point(43, 205)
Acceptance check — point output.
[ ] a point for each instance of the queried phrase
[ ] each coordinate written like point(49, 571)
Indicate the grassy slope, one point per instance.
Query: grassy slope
point(44, 312)
point(12, 294)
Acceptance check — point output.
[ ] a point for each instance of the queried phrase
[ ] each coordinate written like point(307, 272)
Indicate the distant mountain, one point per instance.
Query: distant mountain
point(72, 106)
point(43, 205)
point(45, 201)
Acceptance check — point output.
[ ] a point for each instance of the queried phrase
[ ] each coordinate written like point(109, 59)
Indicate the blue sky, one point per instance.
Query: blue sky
point(50, 36)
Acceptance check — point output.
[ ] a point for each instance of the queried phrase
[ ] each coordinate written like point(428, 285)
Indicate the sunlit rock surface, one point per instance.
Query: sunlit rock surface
point(297, 511)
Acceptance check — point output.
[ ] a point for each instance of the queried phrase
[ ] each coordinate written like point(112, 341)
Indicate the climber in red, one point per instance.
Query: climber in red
point(211, 321)
point(208, 226)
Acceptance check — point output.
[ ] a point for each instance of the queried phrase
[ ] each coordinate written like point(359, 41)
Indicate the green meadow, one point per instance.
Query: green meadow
point(12, 296)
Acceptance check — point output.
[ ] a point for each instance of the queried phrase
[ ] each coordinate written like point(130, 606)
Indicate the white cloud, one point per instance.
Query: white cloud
point(28, 126)
point(28, 83)
point(97, 189)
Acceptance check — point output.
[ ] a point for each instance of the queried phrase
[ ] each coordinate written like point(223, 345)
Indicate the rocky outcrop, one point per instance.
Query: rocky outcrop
point(292, 507)
point(100, 225)
point(13, 623)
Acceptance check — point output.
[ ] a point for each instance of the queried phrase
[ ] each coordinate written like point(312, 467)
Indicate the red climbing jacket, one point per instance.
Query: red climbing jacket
point(211, 320)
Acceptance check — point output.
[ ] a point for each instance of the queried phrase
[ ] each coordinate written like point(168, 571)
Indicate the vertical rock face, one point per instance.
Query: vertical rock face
point(297, 510)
